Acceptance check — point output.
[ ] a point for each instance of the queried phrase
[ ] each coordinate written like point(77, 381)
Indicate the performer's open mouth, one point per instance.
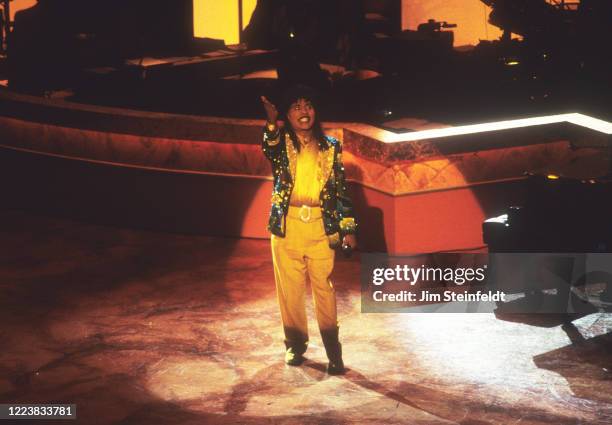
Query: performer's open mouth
point(304, 120)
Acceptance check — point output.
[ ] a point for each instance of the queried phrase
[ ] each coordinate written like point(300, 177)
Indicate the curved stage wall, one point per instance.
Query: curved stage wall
point(207, 175)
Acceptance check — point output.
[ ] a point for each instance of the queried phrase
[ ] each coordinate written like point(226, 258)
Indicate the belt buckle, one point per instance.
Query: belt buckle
point(305, 217)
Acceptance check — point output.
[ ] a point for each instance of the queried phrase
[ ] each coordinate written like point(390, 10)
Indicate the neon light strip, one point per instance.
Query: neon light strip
point(574, 118)
point(590, 122)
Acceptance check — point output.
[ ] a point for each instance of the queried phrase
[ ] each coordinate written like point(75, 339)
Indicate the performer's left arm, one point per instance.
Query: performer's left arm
point(348, 225)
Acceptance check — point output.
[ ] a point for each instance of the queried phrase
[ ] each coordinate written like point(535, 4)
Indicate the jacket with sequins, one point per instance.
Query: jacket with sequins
point(336, 206)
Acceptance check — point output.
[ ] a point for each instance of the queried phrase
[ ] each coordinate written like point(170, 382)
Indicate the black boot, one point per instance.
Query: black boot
point(296, 344)
point(333, 348)
point(293, 357)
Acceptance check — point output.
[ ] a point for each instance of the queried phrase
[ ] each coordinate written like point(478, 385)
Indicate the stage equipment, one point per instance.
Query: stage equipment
point(421, 52)
point(529, 18)
point(559, 215)
point(432, 26)
point(568, 221)
point(554, 24)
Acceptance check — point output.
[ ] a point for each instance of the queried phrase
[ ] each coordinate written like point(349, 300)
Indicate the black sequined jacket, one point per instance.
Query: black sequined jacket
point(337, 209)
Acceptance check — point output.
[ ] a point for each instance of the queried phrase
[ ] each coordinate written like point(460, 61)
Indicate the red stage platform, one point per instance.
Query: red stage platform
point(415, 192)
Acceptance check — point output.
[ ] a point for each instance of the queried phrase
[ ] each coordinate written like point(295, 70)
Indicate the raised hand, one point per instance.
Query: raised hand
point(271, 111)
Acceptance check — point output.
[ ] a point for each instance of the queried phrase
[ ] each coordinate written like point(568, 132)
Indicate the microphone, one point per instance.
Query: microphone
point(347, 250)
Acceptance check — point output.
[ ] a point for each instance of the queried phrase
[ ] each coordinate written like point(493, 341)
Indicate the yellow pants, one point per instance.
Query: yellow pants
point(304, 253)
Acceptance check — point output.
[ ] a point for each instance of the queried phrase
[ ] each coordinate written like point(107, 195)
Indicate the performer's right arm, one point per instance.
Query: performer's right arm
point(272, 134)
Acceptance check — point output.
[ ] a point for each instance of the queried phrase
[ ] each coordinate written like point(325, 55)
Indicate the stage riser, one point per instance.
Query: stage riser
point(237, 206)
point(206, 175)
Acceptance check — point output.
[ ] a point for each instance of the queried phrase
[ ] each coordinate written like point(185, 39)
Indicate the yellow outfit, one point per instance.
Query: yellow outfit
point(307, 188)
point(304, 253)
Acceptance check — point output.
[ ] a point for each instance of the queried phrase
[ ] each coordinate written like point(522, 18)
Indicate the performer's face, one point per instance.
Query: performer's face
point(301, 115)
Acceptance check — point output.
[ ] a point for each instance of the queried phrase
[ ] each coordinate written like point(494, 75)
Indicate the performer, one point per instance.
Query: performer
point(311, 214)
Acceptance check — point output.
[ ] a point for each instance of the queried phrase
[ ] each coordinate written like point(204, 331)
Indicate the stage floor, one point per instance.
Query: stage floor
point(139, 327)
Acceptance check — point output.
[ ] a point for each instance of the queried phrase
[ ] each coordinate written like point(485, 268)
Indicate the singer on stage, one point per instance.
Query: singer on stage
point(311, 215)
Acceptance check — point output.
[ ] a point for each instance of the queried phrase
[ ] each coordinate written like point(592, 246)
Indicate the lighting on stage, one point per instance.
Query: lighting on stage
point(221, 20)
point(582, 120)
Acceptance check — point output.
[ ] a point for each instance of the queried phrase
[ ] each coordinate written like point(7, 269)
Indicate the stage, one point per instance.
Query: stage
point(136, 274)
point(140, 327)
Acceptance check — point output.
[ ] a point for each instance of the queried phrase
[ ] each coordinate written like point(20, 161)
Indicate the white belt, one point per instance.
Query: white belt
point(305, 213)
